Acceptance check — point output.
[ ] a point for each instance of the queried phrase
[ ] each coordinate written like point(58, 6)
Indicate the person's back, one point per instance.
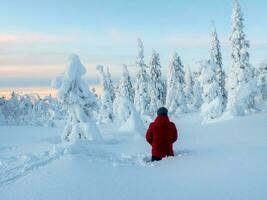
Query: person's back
point(161, 134)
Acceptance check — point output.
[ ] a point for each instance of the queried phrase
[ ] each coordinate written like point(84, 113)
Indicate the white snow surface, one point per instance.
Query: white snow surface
point(222, 160)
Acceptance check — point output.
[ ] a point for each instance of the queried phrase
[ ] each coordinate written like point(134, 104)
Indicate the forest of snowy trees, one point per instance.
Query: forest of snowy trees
point(206, 88)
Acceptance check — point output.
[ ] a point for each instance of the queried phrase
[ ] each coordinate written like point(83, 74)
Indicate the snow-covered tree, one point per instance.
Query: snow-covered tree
point(197, 87)
point(73, 92)
point(110, 85)
point(142, 96)
point(121, 106)
point(157, 87)
point(212, 96)
point(197, 95)
point(54, 109)
point(106, 110)
point(188, 88)
point(30, 109)
point(40, 111)
point(125, 85)
point(262, 80)
point(175, 99)
point(20, 110)
point(216, 57)
point(242, 85)
point(2, 107)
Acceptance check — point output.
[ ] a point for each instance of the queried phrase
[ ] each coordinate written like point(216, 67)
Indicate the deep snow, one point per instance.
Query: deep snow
point(222, 160)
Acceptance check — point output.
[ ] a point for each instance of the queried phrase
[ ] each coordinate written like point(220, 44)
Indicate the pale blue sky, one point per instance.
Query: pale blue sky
point(37, 36)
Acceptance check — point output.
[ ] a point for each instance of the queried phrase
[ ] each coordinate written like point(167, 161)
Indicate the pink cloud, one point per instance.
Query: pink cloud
point(7, 38)
point(34, 38)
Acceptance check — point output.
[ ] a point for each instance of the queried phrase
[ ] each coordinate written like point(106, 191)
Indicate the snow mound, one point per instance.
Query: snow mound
point(134, 123)
point(224, 117)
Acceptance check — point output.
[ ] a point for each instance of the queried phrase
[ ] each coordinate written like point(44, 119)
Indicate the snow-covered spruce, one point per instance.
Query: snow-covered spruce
point(175, 99)
point(213, 100)
point(2, 116)
point(216, 57)
point(48, 110)
point(197, 87)
point(110, 85)
point(142, 96)
point(188, 88)
point(262, 80)
point(242, 85)
point(125, 85)
point(197, 95)
point(106, 110)
point(156, 86)
point(121, 106)
point(73, 91)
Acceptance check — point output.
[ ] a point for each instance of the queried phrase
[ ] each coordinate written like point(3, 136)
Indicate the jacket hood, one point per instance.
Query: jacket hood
point(161, 119)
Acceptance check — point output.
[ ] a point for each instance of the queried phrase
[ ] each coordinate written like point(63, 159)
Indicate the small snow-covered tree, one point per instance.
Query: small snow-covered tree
point(73, 92)
point(24, 110)
point(213, 100)
point(18, 110)
point(125, 95)
point(197, 87)
point(198, 69)
point(11, 110)
point(242, 85)
point(110, 85)
point(262, 80)
point(125, 85)
point(106, 110)
point(28, 109)
point(2, 108)
point(142, 96)
point(175, 99)
point(55, 111)
point(157, 88)
point(188, 88)
point(197, 95)
point(216, 58)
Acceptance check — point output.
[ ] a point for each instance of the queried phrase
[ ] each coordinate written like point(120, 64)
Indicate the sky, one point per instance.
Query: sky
point(36, 36)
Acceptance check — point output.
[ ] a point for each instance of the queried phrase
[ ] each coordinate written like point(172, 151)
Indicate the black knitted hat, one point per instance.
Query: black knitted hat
point(162, 111)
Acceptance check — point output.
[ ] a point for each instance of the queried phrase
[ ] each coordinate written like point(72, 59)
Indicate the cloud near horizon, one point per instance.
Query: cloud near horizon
point(24, 54)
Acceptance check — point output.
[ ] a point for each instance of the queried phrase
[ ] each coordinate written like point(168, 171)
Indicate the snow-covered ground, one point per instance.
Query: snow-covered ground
point(222, 160)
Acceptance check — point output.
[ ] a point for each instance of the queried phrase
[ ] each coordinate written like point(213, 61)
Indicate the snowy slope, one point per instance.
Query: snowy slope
point(223, 160)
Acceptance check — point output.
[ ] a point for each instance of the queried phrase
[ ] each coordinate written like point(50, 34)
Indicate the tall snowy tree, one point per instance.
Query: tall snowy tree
point(188, 89)
point(198, 87)
point(106, 110)
point(262, 80)
point(212, 96)
point(142, 97)
point(197, 95)
point(175, 99)
point(2, 108)
point(110, 85)
point(242, 86)
point(125, 96)
point(157, 88)
point(216, 57)
point(73, 92)
point(125, 85)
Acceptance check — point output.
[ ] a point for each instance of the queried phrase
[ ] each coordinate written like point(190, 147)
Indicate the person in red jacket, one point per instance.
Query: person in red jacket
point(161, 134)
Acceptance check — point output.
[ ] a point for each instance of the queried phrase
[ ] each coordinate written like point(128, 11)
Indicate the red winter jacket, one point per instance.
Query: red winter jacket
point(161, 134)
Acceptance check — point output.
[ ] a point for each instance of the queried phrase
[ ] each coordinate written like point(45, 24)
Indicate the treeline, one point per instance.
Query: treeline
point(207, 89)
